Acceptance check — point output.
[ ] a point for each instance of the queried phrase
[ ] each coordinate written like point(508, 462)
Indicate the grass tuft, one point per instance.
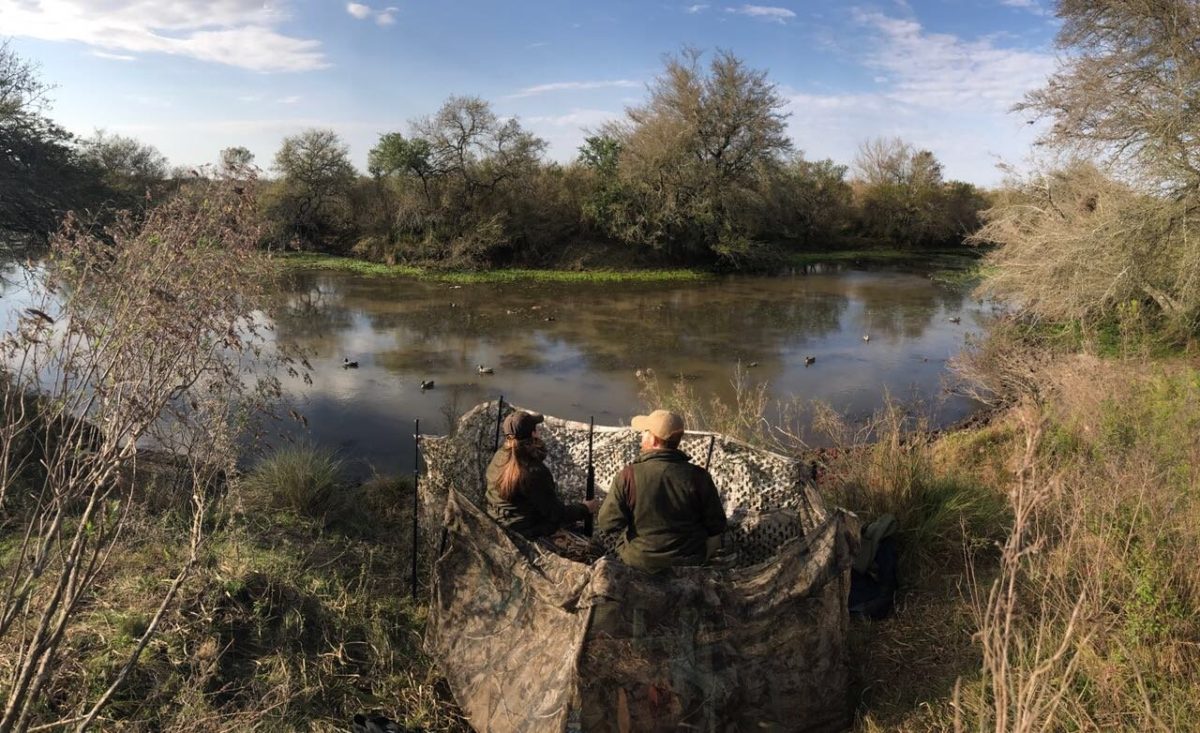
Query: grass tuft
point(303, 479)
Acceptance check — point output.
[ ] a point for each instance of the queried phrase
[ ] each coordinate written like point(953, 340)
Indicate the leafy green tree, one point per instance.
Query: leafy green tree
point(309, 207)
point(135, 171)
point(903, 199)
point(236, 163)
point(601, 153)
point(42, 175)
point(464, 183)
point(692, 159)
point(808, 202)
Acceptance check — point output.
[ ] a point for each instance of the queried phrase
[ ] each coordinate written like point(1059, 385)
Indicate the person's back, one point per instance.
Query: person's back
point(664, 507)
point(521, 494)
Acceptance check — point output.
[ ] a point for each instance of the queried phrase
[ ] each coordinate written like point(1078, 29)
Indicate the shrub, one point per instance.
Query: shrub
point(303, 479)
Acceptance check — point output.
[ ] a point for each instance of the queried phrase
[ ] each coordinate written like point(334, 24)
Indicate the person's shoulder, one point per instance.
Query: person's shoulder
point(699, 474)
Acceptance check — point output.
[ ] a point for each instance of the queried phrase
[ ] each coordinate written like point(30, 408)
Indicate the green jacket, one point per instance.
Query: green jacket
point(535, 509)
point(675, 509)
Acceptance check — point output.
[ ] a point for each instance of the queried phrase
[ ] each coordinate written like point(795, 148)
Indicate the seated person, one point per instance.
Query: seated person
point(521, 494)
point(664, 507)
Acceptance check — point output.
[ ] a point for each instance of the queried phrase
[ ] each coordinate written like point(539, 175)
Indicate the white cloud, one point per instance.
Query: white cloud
point(938, 91)
point(764, 12)
point(384, 17)
point(1031, 5)
point(234, 32)
point(693, 9)
point(942, 71)
point(576, 119)
point(358, 10)
point(293, 99)
point(562, 86)
point(113, 56)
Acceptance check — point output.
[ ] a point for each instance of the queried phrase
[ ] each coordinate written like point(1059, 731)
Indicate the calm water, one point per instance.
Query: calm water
point(573, 350)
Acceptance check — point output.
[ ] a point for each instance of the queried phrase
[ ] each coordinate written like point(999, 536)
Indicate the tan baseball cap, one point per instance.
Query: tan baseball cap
point(661, 423)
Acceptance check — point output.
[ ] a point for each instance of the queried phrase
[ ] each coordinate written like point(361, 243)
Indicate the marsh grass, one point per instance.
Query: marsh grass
point(304, 479)
point(470, 277)
point(288, 622)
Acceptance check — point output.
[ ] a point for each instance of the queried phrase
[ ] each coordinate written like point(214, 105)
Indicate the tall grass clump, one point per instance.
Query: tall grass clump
point(888, 465)
point(1088, 622)
point(305, 479)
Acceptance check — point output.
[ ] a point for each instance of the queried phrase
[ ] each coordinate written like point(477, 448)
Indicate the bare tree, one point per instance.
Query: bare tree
point(1129, 88)
point(143, 336)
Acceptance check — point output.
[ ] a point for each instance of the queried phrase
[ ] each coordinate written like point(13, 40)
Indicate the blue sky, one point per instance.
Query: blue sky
point(194, 76)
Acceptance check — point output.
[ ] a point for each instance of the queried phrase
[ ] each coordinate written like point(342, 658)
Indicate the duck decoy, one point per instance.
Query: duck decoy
point(752, 364)
point(955, 319)
point(549, 319)
point(347, 364)
point(426, 384)
point(866, 337)
point(810, 360)
point(486, 370)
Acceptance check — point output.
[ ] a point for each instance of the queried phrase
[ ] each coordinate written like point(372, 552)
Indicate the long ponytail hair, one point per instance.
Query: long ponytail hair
point(522, 455)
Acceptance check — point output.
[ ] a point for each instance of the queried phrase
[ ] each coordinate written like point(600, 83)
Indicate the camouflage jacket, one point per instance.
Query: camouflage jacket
point(535, 509)
point(665, 514)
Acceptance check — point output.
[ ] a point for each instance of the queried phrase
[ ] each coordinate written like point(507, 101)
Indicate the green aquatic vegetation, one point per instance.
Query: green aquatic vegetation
point(308, 260)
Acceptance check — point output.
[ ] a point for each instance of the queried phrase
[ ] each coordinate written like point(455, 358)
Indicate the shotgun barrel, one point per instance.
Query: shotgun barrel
point(712, 441)
point(416, 500)
point(589, 491)
point(499, 419)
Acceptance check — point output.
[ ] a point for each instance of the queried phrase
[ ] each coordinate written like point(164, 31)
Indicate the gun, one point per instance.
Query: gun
point(589, 491)
point(416, 499)
point(712, 440)
point(499, 419)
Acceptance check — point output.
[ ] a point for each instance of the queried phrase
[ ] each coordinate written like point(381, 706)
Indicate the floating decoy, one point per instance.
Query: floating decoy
point(810, 360)
point(955, 319)
point(549, 318)
point(752, 364)
point(486, 370)
point(347, 364)
point(426, 384)
point(866, 337)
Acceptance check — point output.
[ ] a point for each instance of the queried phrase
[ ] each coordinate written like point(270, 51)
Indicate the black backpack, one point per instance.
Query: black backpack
point(874, 578)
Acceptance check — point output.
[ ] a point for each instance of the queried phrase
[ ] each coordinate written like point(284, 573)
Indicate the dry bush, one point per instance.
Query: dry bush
point(745, 418)
point(1089, 624)
point(1079, 245)
point(140, 335)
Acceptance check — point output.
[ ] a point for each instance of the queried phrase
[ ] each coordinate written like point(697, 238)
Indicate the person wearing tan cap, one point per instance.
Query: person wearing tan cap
point(521, 494)
point(662, 507)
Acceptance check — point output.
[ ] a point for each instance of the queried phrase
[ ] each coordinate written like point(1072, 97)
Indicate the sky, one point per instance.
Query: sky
point(194, 76)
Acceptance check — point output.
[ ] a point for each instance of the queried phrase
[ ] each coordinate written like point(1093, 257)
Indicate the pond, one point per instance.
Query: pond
point(574, 350)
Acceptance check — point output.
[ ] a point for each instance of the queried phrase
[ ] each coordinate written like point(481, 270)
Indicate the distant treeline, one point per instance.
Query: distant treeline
point(702, 173)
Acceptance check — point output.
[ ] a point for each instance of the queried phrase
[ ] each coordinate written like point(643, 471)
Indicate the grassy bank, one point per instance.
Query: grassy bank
point(950, 263)
point(1048, 566)
point(296, 617)
point(1048, 559)
point(309, 260)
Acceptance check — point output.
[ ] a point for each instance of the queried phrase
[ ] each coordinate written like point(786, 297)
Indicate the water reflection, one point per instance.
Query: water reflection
point(572, 350)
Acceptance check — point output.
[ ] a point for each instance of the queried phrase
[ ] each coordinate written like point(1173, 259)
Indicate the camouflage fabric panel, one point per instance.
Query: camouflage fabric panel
point(703, 649)
point(503, 627)
point(757, 487)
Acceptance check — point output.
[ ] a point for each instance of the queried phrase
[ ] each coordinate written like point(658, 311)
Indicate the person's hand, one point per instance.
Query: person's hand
point(593, 505)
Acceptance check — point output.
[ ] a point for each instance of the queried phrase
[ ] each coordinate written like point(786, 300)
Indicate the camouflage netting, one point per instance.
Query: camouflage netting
point(531, 641)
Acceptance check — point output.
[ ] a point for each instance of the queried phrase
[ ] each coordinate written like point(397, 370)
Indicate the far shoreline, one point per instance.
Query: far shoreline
point(961, 258)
